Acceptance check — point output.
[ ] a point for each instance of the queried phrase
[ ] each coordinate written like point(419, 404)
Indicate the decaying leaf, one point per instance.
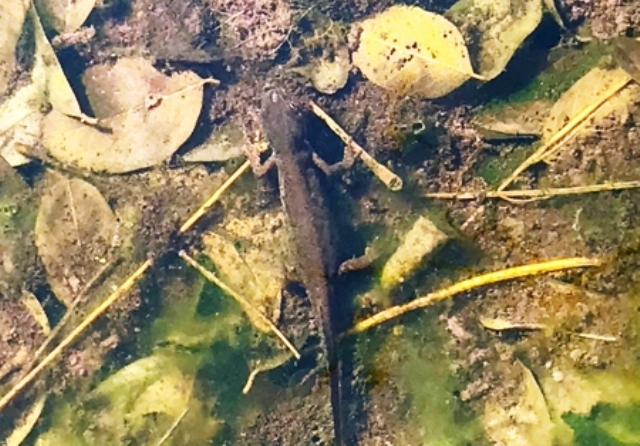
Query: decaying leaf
point(408, 50)
point(553, 10)
point(495, 29)
point(501, 324)
point(526, 423)
point(225, 143)
point(139, 404)
point(21, 115)
point(251, 259)
point(17, 215)
point(65, 16)
point(520, 120)
point(75, 231)
point(12, 16)
point(30, 416)
point(48, 75)
point(328, 75)
point(627, 52)
point(588, 90)
point(422, 240)
point(20, 121)
point(144, 118)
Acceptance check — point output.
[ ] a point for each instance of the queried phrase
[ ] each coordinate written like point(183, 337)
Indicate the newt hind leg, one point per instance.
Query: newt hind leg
point(259, 167)
point(349, 157)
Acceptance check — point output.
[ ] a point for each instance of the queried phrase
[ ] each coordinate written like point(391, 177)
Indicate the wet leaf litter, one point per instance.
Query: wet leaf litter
point(133, 246)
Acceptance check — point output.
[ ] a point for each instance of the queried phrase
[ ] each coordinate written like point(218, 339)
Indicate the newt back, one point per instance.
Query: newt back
point(304, 203)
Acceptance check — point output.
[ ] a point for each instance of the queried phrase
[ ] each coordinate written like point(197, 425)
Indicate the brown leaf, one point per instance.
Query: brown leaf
point(147, 117)
point(75, 231)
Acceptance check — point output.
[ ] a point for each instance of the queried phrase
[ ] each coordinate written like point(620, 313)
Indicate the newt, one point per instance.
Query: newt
point(301, 194)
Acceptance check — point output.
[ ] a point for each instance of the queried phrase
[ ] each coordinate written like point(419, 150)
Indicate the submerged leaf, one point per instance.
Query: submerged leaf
point(627, 52)
point(512, 121)
point(65, 16)
point(526, 423)
point(147, 116)
point(20, 121)
point(422, 240)
point(408, 50)
point(17, 211)
point(251, 259)
point(495, 29)
point(48, 75)
point(75, 231)
point(587, 91)
point(12, 16)
point(226, 142)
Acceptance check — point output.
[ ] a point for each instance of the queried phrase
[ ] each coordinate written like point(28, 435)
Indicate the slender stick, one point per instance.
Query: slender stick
point(535, 194)
point(121, 291)
point(390, 179)
point(567, 132)
point(470, 284)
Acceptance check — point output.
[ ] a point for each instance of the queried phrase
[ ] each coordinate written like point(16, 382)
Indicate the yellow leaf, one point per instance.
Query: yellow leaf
point(12, 15)
point(48, 75)
point(586, 91)
point(408, 50)
point(495, 29)
point(63, 15)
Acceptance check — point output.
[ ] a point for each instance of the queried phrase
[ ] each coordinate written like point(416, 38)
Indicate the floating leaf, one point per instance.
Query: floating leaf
point(75, 231)
point(147, 116)
point(586, 91)
point(12, 16)
point(63, 15)
point(495, 29)
point(408, 50)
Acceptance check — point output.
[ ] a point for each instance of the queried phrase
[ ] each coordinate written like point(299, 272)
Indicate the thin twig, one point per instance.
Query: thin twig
point(213, 199)
point(390, 179)
point(470, 284)
point(121, 291)
point(524, 196)
point(567, 132)
point(172, 428)
point(245, 304)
